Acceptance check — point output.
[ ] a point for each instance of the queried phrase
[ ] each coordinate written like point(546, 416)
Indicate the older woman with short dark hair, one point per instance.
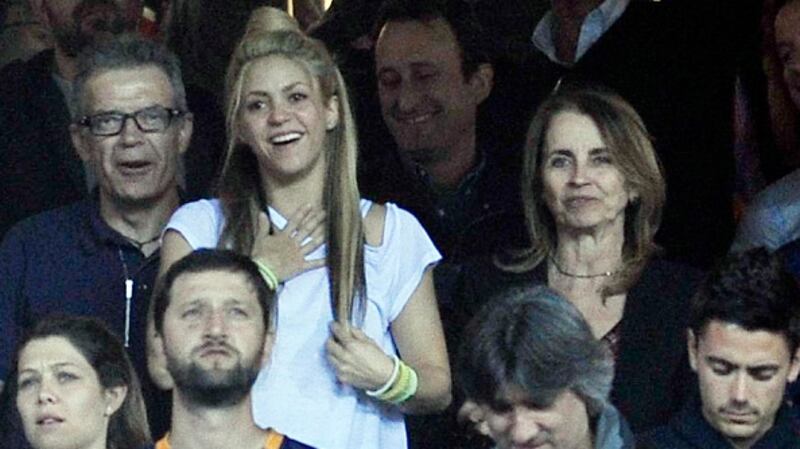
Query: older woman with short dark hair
point(593, 193)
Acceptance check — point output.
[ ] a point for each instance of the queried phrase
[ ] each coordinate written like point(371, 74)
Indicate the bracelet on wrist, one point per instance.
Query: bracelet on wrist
point(269, 276)
point(385, 387)
point(402, 385)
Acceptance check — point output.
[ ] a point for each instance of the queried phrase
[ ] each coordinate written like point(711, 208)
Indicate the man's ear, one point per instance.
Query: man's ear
point(185, 133)
point(691, 346)
point(269, 342)
point(794, 367)
point(157, 359)
point(84, 152)
point(114, 398)
point(481, 82)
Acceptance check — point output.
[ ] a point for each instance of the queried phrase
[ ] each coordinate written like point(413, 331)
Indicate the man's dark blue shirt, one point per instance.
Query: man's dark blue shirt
point(69, 261)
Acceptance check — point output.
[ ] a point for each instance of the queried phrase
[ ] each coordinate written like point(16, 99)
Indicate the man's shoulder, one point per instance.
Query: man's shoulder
point(48, 225)
point(663, 437)
point(18, 74)
point(33, 103)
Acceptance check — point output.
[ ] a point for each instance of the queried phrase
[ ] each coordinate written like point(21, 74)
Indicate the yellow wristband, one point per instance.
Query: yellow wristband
point(399, 386)
point(411, 389)
point(269, 276)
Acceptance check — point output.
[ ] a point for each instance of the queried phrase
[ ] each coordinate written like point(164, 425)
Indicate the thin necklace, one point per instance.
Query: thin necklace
point(604, 274)
point(139, 244)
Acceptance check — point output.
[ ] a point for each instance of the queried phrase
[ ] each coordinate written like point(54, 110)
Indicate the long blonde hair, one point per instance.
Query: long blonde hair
point(240, 182)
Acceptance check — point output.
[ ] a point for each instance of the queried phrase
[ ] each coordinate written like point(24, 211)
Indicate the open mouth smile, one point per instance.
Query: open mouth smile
point(285, 138)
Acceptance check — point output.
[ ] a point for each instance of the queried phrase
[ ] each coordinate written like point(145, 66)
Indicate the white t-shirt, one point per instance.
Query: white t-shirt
point(298, 394)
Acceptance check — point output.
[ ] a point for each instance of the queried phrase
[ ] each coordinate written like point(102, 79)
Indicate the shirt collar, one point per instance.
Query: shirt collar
point(611, 429)
point(596, 23)
point(427, 180)
point(97, 231)
point(694, 427)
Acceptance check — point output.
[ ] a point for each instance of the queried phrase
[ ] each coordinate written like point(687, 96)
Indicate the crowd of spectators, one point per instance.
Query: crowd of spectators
point(410, 177)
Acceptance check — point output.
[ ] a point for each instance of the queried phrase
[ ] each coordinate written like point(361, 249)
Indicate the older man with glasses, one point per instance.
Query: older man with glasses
point(100, 256)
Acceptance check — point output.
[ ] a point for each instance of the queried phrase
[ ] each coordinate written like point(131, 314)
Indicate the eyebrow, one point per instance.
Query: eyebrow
point(749, 368)
point(560, 152)
point(117, 111)
point(287, 88)
point(423, 65)
point(203, 301)
point(55, 365)
point(721, 361)
point(764, 367)
point(414, 66)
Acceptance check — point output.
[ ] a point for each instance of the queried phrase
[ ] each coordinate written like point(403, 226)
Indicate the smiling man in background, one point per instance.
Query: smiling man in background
point(433, 74)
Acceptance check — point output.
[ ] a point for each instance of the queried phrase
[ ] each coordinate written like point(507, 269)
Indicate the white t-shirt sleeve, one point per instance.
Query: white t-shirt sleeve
point(406, 252)
point(199, 222)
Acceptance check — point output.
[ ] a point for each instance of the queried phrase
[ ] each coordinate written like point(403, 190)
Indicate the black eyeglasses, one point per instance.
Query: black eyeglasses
point(154, 119)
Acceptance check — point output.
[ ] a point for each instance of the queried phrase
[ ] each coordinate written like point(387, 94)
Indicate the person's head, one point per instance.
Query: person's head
point(531, 362)
point(213, 318)
point(77, 24)
point(787, 41)
point(76, 387)
point(589, 161)
point(743, 338)
point(288, 121)
point(21, 34)
point(267, 19)
point(432, 72)
point(131, 121)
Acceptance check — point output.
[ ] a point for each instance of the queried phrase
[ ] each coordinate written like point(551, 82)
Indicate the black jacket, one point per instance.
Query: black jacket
point(690, 430)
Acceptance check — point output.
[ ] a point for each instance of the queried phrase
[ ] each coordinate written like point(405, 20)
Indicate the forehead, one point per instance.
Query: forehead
point(573, 128)
point(787, 22)
point(65, 8)
point(275, 71)
point(128, 89)
point(212, 287)
point(409, 42)
point(744, 347)
point(564, 402)
point(513, 394)
point(50, 351)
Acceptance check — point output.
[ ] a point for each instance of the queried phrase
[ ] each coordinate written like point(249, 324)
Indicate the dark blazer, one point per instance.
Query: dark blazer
point(690, 430)
point(652, 374)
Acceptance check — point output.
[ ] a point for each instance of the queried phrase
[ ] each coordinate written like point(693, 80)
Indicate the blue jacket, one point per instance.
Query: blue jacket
point(69, 261)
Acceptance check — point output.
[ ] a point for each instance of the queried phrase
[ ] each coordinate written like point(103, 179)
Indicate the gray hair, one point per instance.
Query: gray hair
point(125, 52)
point(537, 341)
